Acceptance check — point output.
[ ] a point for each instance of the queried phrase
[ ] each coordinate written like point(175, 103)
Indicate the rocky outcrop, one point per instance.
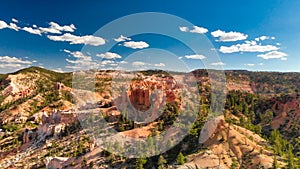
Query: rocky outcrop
point(19, 86)
point(29, 135)
point(145, 98)
point(287, 114)
point(55, 162)
point(228, 143)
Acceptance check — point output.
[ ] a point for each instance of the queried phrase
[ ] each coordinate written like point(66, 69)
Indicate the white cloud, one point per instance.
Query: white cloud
point(200, 30)
point(138, 64)
point(195, 56)
point(13, 26)
point(273, 38)
point(183, 28)
point(262, 38)
point(228, 36)
point(32, 31)
point(122, 39)
point(249, 64)
point(8, 62)
point(109, 55)
point(3, 24)
point(159, 65)
point(274, 55)
point(79, 55)
point(10, 26)
point(230, 49)
point(196, 29)
point(260, 64)
point(82, 60)
point(249, 46)
point(283, 58)
point(73, 67)
point(65, 28)
point(50, 30)
point(136, 45)
point(59, 70)
point(14, 20)
point(10, 65)
point(73, 39)
point(8, 59)
point(123, 62)
point(57, 29)
point(106, 63)
point(217, 64)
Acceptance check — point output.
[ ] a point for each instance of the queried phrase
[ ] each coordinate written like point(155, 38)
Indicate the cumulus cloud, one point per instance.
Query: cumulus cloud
point(248, 46)
point(82, 61)
point(106, 62)
point(59, 70)
point(262, 38)
point(274, 55)
point(228, 36)
point(10, 65)
point(136, 45)
point(57, 29)
point(73, 39)
point(8, 62)
point(122, 39)
point(183, 28)
point(65, 28)
point(217, 64)
point(50, 30)
point(195, 57)
point(3, 24)
point(109, 55)
point(14, 20)
point(123, 62)
point(32, 31)
point(249, 64)
point(10, 26)
point(200, 30)
point(159, 65)
point(8, 59)
point(283, 58)
point(196, 29)
point(138, 64)
point(79, 55)
point(13, 26)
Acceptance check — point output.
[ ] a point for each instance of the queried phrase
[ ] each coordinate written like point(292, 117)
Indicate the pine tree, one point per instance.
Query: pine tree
point(291, 161)
point(275, 163)
point(161, 163)
point(180, 159)
point(140, 163)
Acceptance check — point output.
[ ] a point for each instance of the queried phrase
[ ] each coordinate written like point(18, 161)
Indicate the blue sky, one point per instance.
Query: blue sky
point(252, 35)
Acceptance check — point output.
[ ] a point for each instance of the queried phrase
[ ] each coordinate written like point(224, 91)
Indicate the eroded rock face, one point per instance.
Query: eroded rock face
point(56, 122)
point(287, 114)
point(139, 97)
point(28, 135)
point(146, 97)
point(20, 86)
point(55, 162)
point(58, 129)
point(150, 90)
